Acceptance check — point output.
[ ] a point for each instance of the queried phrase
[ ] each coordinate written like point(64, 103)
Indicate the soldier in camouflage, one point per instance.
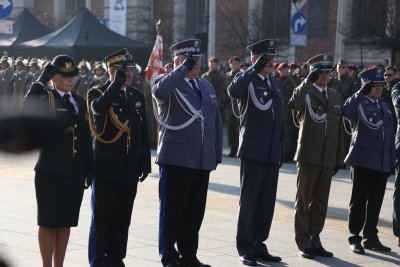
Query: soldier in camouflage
point(232, 123)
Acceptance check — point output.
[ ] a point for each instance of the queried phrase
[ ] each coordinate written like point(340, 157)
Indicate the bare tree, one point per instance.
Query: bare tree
point(374, 23)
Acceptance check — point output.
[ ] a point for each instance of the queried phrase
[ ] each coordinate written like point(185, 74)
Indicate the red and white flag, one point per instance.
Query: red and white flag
point(154, 67)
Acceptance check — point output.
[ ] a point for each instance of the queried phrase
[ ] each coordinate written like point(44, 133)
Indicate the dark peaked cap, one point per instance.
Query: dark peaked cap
point(189, 47)
point(375, 75)
point(119, 57)
point(322, 62)
point(266, 46)
point(64, 65)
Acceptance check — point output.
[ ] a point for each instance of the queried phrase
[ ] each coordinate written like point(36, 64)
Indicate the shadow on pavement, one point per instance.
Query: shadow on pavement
point(391, 257)
point(335, 213)
point(223, 188)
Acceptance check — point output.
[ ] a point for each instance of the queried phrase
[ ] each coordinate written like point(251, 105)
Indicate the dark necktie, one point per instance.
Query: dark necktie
point(195, 88)
point(377, 104)
point(266, 80)
point(325, 95)
point(69, 103)
point(123, 95)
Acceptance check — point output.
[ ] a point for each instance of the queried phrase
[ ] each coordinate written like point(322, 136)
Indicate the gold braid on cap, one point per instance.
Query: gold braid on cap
point(69, 67)
point(121, 126)
point(116, 59)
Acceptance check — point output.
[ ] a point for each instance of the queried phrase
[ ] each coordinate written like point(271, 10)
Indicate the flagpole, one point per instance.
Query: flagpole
point(154, 65)
point(158, 22)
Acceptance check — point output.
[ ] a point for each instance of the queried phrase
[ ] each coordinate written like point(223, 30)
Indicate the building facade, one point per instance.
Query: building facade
point(343, 28)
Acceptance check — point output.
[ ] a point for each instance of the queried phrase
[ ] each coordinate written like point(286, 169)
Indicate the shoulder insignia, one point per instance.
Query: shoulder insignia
point(134, 88)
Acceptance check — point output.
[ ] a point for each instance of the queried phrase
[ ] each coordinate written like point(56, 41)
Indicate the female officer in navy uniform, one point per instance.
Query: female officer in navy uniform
point(63, 166)
point(371, 157)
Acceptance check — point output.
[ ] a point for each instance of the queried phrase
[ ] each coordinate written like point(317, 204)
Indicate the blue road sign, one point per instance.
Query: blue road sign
point(298, 22)
point(6, 7)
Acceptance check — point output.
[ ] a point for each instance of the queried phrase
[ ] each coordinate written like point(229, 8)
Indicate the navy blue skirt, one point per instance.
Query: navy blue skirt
point(58, 200)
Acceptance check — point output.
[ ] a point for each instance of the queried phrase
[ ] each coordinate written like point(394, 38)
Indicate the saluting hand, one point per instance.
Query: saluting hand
point(261, 63)
point(189, 63)
point(48, 72)
point(366, 87)
point(120, 75)
point(313, 75)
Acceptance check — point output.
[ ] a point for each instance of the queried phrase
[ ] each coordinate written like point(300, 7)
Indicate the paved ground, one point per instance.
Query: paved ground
point(18, 230)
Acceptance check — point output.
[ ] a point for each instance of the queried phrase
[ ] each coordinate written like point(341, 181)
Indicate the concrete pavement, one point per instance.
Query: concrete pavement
point(18, 230)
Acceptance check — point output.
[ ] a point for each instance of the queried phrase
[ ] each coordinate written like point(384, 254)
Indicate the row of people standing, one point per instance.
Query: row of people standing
point(16, 77)
point(187, 110)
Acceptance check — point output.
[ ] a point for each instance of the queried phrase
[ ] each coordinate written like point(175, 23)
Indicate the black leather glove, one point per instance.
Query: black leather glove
point(143, 177)
point(47, 73)
point(260, 63)
point(366, 87)
point(313, 75)
point(119, 77)
point(336, 169)
point(88, 181)
point(189, 63)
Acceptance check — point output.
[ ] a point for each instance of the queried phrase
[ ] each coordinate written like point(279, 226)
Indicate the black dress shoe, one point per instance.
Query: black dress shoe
point(193, 263)
point(322, 252)
point(307, 253)
point(267, 257)
point(248, 260)
point(376, 245)
point(357, 248)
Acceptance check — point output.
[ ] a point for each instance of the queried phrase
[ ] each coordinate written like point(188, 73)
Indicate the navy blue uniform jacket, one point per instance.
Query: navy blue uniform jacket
point(184, 147)
point(370, 148)
point(59, 159)
point(261, 132)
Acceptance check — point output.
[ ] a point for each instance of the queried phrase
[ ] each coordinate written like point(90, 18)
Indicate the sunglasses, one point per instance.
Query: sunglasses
point(388, 74)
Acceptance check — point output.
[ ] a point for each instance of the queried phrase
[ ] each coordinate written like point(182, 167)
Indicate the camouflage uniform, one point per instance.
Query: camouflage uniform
point(99, 80)
point(18, 83)
point(290, 130)
point(32, 76)
point(346, 87)
point(218, 80)
point(232, 123)
point(83, 81)
point(6, 75)
point(145, 88)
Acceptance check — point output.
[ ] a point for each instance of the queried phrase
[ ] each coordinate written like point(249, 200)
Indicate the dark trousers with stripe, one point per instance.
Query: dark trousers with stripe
point(366, 201)
point(183, 194)
point(258, 183)
point(112, 205)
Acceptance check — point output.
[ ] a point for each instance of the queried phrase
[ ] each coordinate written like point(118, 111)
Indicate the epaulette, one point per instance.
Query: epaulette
point(134, 88)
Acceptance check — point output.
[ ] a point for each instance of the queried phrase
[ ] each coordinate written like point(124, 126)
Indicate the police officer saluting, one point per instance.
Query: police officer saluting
point(371, 157)
point(260, 151)
point(190, 146)
point(121, 159)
